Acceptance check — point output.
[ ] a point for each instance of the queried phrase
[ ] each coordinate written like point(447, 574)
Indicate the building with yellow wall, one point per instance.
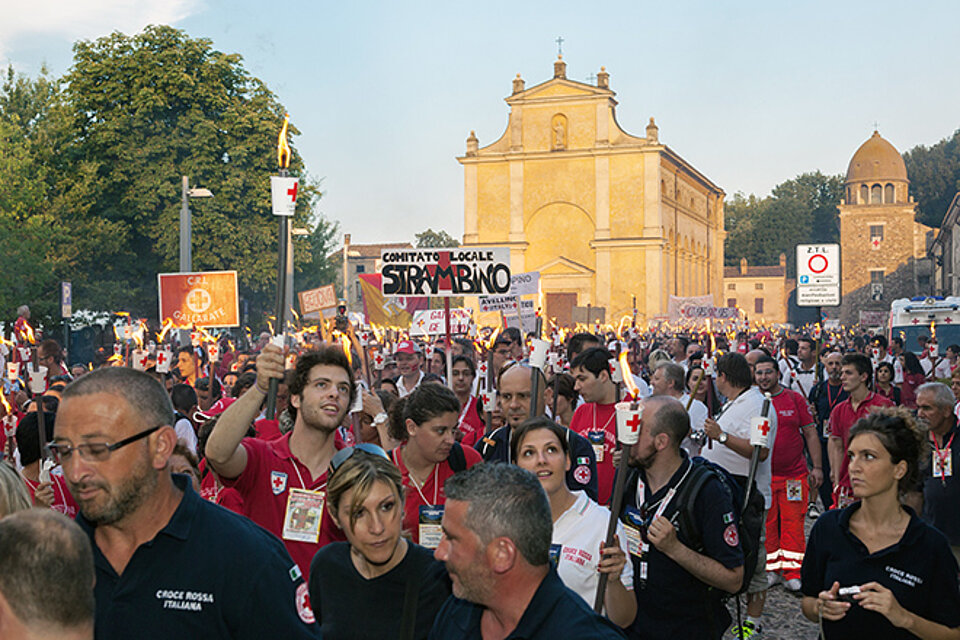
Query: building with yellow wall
point(759, 291)
point(601, 214)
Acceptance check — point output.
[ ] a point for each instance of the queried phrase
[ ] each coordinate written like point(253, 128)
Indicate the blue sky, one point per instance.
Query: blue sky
point(385, 93)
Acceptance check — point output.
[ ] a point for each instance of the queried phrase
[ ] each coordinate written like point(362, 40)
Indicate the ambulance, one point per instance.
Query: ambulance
point(911, 318)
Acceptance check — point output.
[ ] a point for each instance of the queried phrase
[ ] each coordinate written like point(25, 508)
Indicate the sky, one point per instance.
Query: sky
point(386, 93)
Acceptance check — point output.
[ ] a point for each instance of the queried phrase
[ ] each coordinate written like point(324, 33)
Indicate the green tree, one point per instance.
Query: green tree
point(798, 211)
point(934, 177)
point(144, 110)
point(435, 239)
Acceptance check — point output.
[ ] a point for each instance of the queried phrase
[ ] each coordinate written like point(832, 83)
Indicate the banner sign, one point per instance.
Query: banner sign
point(874, 318)
point(505, 304)
point(694, 312)
point(207, 299)
point(525, 284)
point(317, 299)
point(445, 272)
point(677, 304)
point(432, 322)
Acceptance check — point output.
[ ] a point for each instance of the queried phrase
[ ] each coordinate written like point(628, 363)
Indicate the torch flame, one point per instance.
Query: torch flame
point(345, 341)
point(28, 333)
point(493, 338)
point(283, 149)
point(6, 405)
point(167, 325)
point(627, 376)
point(933, 330)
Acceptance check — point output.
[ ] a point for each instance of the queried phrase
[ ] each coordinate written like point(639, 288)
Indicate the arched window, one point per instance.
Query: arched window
point(849, 195)
point(876, 194)
point(864, 194)
point(888, 194)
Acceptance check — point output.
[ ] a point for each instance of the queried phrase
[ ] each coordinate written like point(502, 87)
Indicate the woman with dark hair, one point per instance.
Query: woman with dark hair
point(913, 377)
point(874, 569)
point(885, 386)
point(376, 584)
point(579, 524)
point(567, 397)
point(706, 392)
point(425, 421)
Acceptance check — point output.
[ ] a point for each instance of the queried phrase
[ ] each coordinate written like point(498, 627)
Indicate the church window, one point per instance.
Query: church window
point(888, 194)
point(876, 232)
point(731, 302)
point(864, 194)
point(849, 195)
point(876, 276)
point(758, 305)
point(731, 287)
point(876, 194)
point(361, 268)
point(758, 286)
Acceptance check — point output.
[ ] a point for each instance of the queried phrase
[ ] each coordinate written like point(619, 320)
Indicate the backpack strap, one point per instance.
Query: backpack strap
point(686, 498)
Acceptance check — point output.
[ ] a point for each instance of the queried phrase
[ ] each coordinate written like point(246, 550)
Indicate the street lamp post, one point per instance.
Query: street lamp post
point(186, 241)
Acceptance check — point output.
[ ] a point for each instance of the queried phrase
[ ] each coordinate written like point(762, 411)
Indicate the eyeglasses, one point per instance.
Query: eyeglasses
point(344, 454)
point(94, 451)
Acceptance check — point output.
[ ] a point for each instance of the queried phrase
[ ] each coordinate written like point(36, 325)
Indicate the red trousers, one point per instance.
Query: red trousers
point(785, 540)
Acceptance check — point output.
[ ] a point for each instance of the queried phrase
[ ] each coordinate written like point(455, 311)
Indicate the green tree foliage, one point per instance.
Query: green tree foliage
point(797, 211)
point(94, 163)
point(934, 177)
point(432, 239)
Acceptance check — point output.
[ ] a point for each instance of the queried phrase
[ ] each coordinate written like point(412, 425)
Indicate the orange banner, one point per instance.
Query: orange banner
point(206, 299)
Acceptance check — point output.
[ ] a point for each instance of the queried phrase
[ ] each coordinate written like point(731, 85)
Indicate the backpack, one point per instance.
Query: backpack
point(750, 519)
point(457, 460)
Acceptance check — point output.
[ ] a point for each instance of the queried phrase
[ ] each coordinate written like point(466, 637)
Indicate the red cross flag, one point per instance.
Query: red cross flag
point(140, 358)
point(13, 371)
point(283, 191)
point(629, 419)
point(213, 352)
point(760, 431)
point(378, 360)
point(195, 338)
point(482, 369)
point(616, 375)
point(489, 400)
point(163, 361)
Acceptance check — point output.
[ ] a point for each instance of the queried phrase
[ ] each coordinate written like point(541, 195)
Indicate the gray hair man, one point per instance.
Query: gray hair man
point(46, 578)
point(669, 379)
point(496, 546)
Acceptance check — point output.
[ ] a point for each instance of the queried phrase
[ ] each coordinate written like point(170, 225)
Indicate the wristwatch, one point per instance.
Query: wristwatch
point(379, 419)
point(722, 438)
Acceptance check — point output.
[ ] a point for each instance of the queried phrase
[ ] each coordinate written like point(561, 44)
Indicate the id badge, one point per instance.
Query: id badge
point(597, 439)
point(555, 550)
point(794, 491)
point(301, 522)
point(429, 530)
point(631, 527)
point(942, 468)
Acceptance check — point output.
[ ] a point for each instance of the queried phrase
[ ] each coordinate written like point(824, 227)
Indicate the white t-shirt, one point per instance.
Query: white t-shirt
point(580, 530)
point(735, 420)
point(402, 390)
point(185, 432)
point(698, 414)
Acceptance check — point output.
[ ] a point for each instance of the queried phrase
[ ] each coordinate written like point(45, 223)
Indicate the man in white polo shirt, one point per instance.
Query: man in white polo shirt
point(730, 447)
point(408, 359)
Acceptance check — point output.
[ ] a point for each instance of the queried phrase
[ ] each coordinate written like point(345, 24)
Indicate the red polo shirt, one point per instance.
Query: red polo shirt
point(264, 486)
point(471, 426)
point(792, 417)
point(62, 498)
point(598, 424)
point(843, 417)
point(431, 493)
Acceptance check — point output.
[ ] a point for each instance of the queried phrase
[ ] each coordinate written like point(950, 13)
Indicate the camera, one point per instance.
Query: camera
point(845, 594)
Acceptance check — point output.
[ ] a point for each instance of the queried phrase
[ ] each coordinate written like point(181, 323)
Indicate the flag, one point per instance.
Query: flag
point(387, 311)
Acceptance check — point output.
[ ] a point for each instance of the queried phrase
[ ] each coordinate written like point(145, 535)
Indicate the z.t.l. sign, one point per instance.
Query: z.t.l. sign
point(818, 275)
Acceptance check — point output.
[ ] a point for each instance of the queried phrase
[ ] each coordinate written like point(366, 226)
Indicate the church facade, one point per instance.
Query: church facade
point(603, 215)
point(882, 248)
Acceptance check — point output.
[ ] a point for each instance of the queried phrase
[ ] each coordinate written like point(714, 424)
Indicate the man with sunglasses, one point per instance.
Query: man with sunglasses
point(279, 478)
point(166, 561)
point(676, 578)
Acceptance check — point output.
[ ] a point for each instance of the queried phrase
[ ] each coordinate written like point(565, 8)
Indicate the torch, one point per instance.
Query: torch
point(283, 190)
point(629, 417)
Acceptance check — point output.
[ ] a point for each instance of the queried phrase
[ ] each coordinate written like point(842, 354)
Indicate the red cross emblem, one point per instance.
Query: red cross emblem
point(483, 368)
point(143, 360)
point(764, 428)
point(948, 320)
point(634, 422)
point(292, 192)
point(915, 321)
point(876, 243)
point(443, 263)
point(277, 482)
point(378, 359)
point(161, 357)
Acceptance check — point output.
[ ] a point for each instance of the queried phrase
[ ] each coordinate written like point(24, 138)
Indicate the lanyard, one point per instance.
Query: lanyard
point(831, 401)
point(417, 485)
point(942, 454)
point(604, 427)
point(303, 485)
point(463, 412)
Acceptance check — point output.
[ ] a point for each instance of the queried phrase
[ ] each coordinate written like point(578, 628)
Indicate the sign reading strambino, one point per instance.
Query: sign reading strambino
point(204, 299)
point(472, 271)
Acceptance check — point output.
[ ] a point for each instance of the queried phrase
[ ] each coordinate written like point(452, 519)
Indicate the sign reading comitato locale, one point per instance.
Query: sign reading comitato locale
point(206, 299)
point(473, 271)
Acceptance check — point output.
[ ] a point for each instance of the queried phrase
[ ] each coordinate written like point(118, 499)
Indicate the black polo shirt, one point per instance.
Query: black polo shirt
point(920, 570)
point(941, 496)
point(672, 602)
point(209, 574)
point(555, 612)
point(824, 398)
point(582, 475)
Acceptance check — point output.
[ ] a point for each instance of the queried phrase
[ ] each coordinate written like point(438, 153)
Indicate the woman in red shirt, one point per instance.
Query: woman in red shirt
point(469, 425)
point(913, 377)
point(885, 386)
point(425, 422)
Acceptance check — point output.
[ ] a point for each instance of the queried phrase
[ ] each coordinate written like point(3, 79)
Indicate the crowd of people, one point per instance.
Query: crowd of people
point(318, 491)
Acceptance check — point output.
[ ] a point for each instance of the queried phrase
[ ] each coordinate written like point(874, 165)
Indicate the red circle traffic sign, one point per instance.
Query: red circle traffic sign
point(821, 263)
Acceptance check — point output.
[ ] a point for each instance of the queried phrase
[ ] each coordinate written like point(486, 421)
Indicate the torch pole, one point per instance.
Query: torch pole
point(446, 345)
point(284, 248)
point(535, 374)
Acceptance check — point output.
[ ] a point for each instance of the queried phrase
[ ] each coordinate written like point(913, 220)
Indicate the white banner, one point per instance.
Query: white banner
point(525, 284)
point(445, 272)
point(432, 322)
